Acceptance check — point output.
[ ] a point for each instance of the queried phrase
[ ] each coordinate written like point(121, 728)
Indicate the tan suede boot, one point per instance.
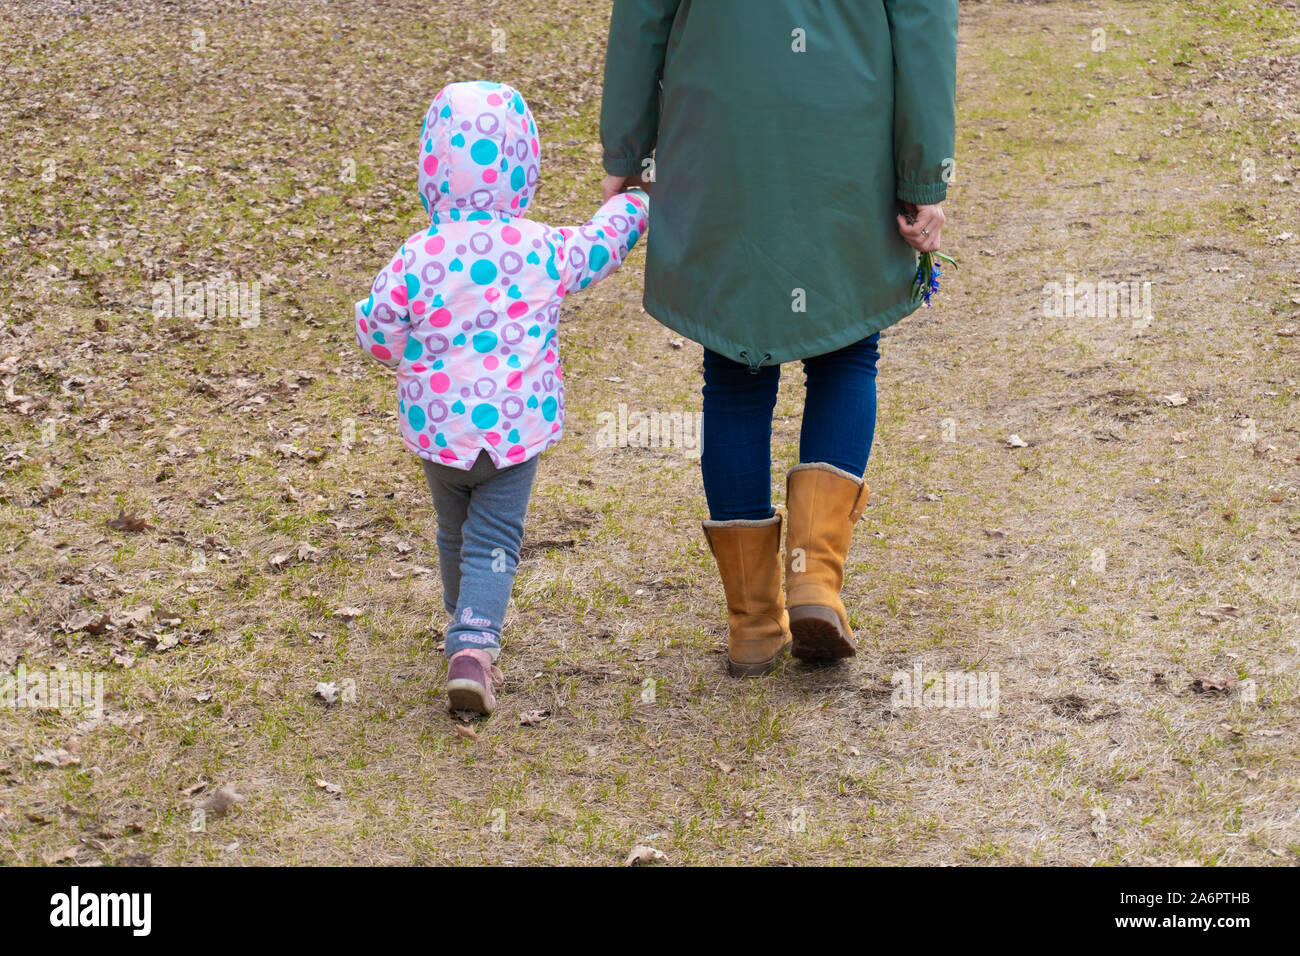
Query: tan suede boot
point(749, 560)
point(823, 503)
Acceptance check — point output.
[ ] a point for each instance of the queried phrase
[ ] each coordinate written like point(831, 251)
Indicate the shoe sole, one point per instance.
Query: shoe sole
point(737, 669)
point(818, 634)
point(469, 695)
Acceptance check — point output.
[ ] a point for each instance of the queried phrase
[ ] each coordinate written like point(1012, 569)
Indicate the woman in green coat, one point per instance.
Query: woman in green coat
point(798, 151)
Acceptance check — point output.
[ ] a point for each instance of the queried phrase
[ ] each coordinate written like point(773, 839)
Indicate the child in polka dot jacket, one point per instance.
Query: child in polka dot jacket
point(467, 312)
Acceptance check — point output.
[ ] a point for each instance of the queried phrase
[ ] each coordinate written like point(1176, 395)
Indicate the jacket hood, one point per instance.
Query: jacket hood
point(478, 152)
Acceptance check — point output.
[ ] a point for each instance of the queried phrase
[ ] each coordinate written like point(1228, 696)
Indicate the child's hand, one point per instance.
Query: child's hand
point(921, 225)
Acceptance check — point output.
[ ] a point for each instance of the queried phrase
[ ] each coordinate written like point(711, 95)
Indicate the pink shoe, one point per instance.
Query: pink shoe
point(471, 678)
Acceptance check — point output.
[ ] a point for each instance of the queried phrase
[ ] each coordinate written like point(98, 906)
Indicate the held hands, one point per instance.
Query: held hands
point(921, 225)
point(611, 186)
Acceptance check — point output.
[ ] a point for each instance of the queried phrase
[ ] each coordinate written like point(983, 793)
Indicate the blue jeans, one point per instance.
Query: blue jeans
point(839, 423)
point(480, 529)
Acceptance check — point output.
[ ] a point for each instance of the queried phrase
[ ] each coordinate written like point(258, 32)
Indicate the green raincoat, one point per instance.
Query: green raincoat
point(784, 134)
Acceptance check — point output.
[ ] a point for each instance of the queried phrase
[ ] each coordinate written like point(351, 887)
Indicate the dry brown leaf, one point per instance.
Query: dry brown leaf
point(532, 718)
point(169, 619)
point(642, 855)
point(88, 621)
point(57, 758)
point(134, 617)
point(304, 552)
point(129, 522)
point(221, 800)
point(1219, 612)
point(1213, 683)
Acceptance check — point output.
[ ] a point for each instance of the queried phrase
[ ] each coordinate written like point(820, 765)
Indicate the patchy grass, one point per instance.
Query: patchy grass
point(276, 146)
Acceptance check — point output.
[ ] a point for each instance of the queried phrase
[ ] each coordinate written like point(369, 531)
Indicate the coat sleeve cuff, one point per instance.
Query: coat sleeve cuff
point(922, 194)
point(618, 166)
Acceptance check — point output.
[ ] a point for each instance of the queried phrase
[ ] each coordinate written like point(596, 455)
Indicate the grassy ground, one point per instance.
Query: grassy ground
point(1139, 720)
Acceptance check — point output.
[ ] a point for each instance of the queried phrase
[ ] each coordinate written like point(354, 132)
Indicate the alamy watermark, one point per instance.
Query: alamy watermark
point(219, 297)
point(126, 910)
point(635, 429)
point(53, 690)
point(1128, 299)
point(946, 690)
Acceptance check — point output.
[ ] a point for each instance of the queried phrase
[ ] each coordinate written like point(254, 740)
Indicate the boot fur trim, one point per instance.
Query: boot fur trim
point(823, 466)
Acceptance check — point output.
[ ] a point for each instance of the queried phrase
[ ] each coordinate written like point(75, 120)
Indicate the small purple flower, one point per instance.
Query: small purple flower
point(926, 282)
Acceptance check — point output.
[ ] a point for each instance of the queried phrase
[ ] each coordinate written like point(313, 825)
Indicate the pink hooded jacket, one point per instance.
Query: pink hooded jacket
point(468, 311)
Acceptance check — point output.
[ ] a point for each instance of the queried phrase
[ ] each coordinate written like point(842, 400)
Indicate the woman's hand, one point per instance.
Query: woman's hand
point(921, 225)
point(611, 186)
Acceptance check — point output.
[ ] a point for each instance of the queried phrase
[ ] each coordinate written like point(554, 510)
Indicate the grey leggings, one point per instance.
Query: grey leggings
point(480, 529)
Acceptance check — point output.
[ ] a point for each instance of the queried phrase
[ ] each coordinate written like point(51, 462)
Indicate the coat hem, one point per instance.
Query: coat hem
point(461, 464)
point(707, 336)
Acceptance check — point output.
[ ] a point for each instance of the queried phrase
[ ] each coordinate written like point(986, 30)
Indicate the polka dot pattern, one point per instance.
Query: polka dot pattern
point(468, 311)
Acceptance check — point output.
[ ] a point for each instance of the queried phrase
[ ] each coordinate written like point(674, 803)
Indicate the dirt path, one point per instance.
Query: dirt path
point(1128, 576)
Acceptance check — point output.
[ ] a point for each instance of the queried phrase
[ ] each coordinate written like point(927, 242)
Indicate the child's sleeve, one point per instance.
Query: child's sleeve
point(592, 251)
point(383, 321)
